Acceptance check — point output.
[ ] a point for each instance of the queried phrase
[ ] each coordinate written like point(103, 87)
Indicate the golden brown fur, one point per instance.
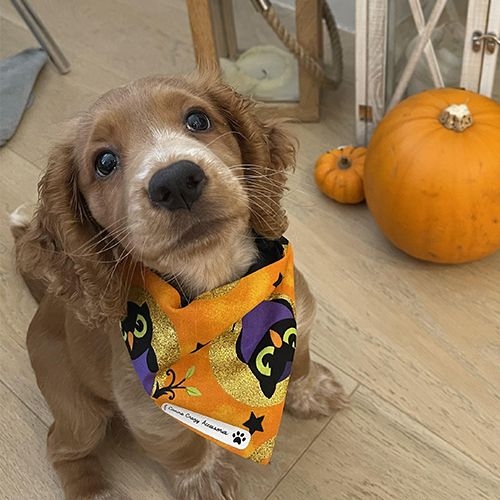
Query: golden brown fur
point(76, 252)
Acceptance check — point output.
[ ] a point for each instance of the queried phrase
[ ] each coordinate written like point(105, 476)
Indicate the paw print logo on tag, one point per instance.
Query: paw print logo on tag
point(239, 437)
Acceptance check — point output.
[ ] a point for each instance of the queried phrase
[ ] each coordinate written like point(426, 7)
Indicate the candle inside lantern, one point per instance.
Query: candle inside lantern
point(264, 72)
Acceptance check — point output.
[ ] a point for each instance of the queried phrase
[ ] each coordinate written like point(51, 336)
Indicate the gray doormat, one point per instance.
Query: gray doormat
point(18, 74)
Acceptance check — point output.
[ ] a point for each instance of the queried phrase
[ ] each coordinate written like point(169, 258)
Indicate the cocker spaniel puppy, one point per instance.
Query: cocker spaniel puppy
point(180, 175)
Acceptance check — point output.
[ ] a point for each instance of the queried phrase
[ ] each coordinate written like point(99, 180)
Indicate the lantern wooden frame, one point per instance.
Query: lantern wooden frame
point(212, 26)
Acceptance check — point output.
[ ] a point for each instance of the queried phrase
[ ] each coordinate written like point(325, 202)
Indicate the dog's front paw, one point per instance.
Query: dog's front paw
point(316, 394)
point(214, 479)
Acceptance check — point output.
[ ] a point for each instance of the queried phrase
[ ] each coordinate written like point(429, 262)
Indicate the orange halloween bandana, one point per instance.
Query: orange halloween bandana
point(221, 363)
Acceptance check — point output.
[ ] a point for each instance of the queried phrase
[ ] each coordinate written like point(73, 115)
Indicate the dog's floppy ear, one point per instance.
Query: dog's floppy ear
point(60, 245)
point(267, 152)
point(268, 180)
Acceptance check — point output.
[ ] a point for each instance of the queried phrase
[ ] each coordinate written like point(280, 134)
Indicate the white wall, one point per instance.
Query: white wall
point(343, 10)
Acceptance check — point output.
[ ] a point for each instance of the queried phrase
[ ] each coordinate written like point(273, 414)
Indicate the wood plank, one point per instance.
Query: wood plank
point(308, 23)
point(374, 451)
point(229, 28)
point(128, 468)
point(422, 336)
point(201, 20)
point(16, 304)
point(361, 62)
point(57, 98)
point(134, 38)
point(24, 469)
point(371, 56)
point(377, 58)
point(223, 28)
point(295, 437)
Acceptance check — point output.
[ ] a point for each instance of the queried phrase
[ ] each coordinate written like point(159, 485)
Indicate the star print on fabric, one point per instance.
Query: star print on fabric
point(254, 423)
point(199, 346)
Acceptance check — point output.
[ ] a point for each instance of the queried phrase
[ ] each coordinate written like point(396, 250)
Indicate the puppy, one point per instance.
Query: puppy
point(178, 174)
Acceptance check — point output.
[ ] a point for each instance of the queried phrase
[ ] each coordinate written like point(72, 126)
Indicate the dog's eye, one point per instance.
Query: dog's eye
point(106, 163)
point(197, 121)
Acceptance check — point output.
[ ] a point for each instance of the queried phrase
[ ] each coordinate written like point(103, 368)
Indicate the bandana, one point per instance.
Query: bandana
point(219, 364)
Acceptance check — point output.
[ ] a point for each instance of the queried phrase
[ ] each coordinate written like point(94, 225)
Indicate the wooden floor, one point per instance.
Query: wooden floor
point(416, 345)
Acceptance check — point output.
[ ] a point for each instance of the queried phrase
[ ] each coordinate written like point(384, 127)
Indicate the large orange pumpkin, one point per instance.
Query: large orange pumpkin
point(432, 175)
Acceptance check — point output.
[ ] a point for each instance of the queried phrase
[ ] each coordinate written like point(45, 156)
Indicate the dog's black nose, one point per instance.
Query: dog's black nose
point(177, 186)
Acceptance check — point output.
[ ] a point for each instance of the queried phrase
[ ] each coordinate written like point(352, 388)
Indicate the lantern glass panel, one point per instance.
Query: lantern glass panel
point(447, 41)
point(252, 58)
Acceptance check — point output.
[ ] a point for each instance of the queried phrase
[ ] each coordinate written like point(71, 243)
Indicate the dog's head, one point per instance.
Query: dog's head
point(170, 172)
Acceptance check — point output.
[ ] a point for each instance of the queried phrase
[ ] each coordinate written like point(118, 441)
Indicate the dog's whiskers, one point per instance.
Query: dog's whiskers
point(231, 132)
point(124, 254)
point(113, 241)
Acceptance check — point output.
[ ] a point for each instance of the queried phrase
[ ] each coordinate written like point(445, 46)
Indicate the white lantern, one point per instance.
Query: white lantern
point(406, 46)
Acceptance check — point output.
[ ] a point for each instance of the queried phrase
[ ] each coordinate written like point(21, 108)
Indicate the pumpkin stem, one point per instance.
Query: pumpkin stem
point(456, 117)
point(344, 163)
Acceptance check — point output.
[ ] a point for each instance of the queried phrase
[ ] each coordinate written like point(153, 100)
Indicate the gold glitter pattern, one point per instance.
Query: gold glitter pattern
point(235, 377)
point(218, 292)
point(164, 342)
point(264, 451)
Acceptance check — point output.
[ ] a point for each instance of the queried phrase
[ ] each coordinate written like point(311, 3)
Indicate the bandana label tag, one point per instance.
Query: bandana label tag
point(230, 435)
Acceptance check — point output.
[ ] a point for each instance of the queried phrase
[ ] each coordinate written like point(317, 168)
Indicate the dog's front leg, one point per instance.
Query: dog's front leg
point(80, 418)
point(313, 390)
point(199, 469)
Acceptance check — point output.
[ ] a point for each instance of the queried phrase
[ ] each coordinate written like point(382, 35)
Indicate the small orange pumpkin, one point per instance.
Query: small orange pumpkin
point(339, 174)
point(432, 175)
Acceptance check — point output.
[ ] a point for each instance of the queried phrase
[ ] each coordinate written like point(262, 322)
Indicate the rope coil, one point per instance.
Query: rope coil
point(308, 62)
